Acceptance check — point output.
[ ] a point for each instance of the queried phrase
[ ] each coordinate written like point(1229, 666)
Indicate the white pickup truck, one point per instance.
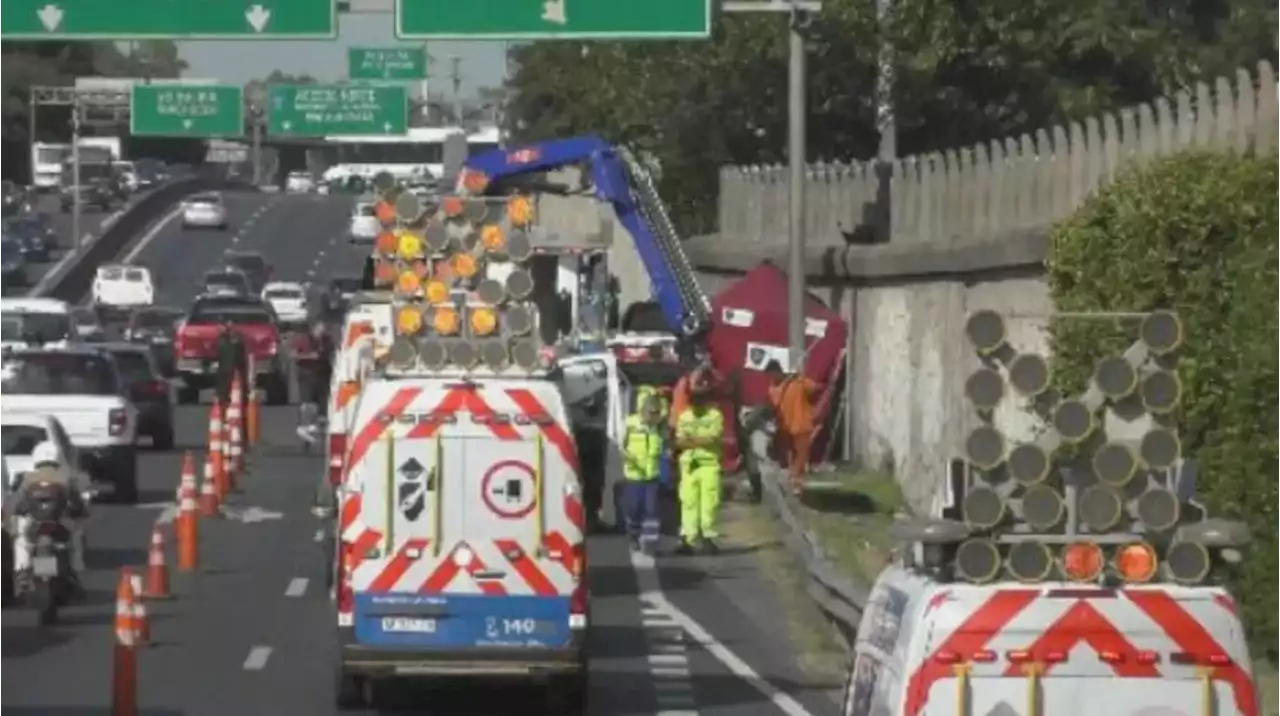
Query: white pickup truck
point(117, 288)
point(81, 387)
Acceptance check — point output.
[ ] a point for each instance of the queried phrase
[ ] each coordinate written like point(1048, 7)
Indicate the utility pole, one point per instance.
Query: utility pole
point(886, 117)
point(255, 149)
point(76, 194)
point(455, 74)
point(799, 14)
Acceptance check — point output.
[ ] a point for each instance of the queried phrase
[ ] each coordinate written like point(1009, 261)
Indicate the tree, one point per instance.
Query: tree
point(967, 71)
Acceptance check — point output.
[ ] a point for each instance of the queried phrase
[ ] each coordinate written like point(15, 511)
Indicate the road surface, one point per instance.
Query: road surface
point(252, 632)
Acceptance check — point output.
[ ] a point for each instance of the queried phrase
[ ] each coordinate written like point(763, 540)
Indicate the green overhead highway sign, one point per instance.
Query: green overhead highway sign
point(386, 63)
point(168, 19)
point(186, 111)
point(324, 110)
point(550, 19)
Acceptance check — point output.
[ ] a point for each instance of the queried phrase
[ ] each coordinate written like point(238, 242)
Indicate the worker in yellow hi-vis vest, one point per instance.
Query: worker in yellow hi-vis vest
point(642, 456)
point(700, 436)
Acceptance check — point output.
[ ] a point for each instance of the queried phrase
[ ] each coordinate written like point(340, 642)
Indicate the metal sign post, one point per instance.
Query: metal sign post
point(799, 13)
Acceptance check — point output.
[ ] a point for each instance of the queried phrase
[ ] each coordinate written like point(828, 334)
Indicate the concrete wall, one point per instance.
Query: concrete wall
point(952, 233)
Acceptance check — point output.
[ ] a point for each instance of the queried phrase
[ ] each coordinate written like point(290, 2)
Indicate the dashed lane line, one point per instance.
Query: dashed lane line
point(257, 659)
point(668, 662)
point(652, 597)
point(319, 536)
point(297, 587)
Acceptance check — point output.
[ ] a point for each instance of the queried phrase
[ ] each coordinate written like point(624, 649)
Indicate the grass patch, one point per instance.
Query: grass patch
point(1264, 672)
point(850, 511)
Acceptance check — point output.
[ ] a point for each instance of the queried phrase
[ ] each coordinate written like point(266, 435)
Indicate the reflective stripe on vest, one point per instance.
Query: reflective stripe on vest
point(643, 450)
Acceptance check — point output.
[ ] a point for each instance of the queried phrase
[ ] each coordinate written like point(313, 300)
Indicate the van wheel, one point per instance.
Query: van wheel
point(567, 695)
point(349, 691)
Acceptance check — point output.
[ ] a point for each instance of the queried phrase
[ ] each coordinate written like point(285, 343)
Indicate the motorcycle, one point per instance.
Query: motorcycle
point(49, 582)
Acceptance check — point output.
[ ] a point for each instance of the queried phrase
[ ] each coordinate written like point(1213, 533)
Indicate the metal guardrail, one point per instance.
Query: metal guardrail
point(838, 597)
point(68, 280)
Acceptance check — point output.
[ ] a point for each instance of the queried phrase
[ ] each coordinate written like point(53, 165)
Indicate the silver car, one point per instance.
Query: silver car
point(204, 211)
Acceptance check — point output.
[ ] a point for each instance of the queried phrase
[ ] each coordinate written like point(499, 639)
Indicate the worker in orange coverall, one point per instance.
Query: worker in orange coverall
point(792, 397)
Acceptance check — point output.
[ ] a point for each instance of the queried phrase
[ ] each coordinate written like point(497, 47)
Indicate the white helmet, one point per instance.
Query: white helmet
point(46, 453)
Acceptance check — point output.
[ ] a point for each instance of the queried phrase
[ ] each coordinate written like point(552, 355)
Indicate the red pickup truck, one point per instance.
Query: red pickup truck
point(196, 346)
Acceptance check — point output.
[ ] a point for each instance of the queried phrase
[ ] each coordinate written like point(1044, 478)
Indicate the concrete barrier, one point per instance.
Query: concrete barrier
point(68, 280)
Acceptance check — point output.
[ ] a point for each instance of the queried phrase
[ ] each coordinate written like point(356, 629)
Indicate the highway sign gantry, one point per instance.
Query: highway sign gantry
point(186, 110)
point(387, 63)
point(552, 19)
point(167, 19)
point(325, 110)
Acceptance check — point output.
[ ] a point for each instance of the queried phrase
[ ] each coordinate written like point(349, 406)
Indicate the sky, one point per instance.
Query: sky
point(483, 63)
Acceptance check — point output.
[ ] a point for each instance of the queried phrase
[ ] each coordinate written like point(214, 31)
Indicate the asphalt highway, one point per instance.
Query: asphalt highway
point(91, 223)
point(252, 631)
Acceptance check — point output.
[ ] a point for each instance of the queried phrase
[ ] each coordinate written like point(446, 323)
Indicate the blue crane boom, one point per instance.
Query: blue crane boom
point(618, 178)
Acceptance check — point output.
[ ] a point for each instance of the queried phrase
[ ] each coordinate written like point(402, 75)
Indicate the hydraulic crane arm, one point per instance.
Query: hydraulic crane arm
point(619, 179)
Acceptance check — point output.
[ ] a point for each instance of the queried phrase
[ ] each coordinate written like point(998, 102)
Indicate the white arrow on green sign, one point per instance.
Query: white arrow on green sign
point(386, 63)
point(186, 110)
point(326, 110)
point(550, 19)
point(168, 19)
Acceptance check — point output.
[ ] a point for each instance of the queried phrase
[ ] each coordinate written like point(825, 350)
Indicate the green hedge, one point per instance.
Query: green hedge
point(1197, 233)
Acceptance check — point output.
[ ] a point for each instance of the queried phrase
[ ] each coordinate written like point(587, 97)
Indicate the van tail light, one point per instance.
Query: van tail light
point(578, 600)
point(117, 421)
point(346, 597)
point(337, 450)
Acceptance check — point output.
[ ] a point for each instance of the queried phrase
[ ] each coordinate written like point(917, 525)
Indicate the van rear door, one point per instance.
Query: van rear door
point(476, 545)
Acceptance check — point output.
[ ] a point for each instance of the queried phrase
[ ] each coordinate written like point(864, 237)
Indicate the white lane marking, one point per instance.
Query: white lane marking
point(319, 536)
point(151, 234)
point(257, 659)
point(651, 592)
point(297, 587)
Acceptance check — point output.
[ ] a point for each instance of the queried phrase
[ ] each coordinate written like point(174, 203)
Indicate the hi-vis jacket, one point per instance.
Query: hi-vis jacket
point(643, 449)
point(708, 424)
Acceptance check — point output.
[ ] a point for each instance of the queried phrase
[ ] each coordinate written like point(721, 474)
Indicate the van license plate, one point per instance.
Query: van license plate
point(44, 566)
point(407, 625)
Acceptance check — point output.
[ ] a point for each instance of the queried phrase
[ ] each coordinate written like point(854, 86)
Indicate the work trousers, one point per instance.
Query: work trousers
point(640, 507)
point(699, 501)
point(798, 447)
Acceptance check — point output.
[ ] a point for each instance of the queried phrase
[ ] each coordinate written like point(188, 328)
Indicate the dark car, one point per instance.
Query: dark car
point(252, 264)
point(16, 198)
point(150, 173)
point(15, 266)
point(338, 294)
point(155, 327)
point(148, 390)
point(34, 234)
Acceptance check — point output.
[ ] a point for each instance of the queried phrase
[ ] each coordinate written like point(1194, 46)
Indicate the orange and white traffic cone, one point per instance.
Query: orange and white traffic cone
point(209, 499)
point(157, 586)
point(124, 662)
point(236, 447)
point(218, 450)
point(141, 625)
point(188, 527)
point(253, 414)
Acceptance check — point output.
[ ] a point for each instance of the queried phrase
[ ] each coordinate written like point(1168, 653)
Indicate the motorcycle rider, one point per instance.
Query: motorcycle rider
point(48, 470)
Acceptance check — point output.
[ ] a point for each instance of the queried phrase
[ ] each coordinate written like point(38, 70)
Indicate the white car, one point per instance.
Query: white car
point(19, 436)
point(119, 288)
point(82, 387)
point(46, 321)
point(364, 228)
point(300, 183)
point(128, 174)
point(288, 300)
point(204, 211)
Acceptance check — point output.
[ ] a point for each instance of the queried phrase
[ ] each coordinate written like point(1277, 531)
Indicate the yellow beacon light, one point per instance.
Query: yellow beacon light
point(465, 265)
point(483, 321)
point(492, 238)
point(446, 321)
point(408, 282)
point(410, 246)
point(437, 291)
point(520, 211)
point(408, 321)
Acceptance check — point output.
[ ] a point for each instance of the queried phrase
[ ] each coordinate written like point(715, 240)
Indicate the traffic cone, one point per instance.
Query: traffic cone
point(217, 450)
point(253, 415)
point(188, 528)
point(124, 662)
point(235, 447)
point(157, 586)
point(187, 483)
point(141, 625)
point(209, 499)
